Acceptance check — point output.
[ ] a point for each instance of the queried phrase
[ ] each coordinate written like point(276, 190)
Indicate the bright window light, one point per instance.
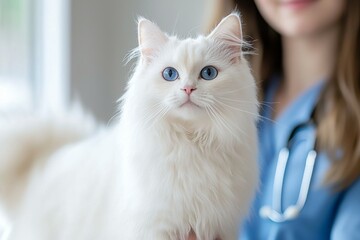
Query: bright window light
point(14, 54)
point(33, 54)
point(51, 44)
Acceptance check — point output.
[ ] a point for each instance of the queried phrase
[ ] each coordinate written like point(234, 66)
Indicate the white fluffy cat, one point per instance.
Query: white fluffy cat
point(182, 157)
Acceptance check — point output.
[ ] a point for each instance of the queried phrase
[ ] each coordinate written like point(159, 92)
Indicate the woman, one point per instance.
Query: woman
point(308, 71)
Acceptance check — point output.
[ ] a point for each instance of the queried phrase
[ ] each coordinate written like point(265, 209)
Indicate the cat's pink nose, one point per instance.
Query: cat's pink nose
point(189, 89)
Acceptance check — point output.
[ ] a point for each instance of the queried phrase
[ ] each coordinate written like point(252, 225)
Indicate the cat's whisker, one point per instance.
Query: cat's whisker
point(133, 54)
point(161, 114)
point(267, 104)
point(247, 112)
point(151, 111)
point(235, 126)
point(157, 114)
point(225, 93)
point(148, 122)
point(150, 114)
point(205, 99)
point(212, 115)
point(115, 116)
point(216, 113)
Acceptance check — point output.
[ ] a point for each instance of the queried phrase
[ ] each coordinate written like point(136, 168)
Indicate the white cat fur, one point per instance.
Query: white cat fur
point(165, 169)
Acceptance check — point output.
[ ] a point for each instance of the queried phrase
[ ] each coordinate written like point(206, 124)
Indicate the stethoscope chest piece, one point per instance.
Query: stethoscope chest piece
point(291, 212)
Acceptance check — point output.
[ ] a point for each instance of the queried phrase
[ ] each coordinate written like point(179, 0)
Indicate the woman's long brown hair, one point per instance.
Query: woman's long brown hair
point(338, 109)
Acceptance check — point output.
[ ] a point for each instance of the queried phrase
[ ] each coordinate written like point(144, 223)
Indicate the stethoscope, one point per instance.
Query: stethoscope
point(274, 212)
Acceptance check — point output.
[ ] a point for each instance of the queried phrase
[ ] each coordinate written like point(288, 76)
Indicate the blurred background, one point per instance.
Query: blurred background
point(55, 51)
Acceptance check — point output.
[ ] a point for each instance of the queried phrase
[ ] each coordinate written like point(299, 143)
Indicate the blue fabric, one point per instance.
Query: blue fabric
point(326, 214)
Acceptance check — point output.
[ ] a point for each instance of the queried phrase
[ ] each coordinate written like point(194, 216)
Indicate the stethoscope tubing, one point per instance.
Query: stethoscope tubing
point(274, 212)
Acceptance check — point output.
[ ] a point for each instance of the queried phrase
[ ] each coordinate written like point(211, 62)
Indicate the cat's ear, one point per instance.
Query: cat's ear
point(150, 38)
point(229, 32)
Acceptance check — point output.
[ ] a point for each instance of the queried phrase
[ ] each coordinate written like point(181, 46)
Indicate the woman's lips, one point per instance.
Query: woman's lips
point(297, 4)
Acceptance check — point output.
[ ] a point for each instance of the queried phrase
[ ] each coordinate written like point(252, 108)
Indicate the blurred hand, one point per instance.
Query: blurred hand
point(193, 237)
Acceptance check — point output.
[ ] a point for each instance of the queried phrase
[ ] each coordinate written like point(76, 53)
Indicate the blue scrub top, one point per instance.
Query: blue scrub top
point(326, 214)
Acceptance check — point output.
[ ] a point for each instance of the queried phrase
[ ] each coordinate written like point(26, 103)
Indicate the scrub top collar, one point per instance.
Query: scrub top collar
point(297, 112)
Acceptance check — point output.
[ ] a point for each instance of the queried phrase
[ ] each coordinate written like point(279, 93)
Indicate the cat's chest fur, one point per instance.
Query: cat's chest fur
point(187, 177)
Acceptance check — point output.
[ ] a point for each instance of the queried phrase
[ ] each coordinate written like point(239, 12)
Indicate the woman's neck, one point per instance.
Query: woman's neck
point(306, 61)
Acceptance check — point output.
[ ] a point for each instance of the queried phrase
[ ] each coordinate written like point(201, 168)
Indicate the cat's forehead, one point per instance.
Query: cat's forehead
point(189, 52)
point(191, 47)
point(191, 43)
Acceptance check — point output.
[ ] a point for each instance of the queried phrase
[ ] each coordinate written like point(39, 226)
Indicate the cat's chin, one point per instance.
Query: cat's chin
point(189, 104)
point(189, 112)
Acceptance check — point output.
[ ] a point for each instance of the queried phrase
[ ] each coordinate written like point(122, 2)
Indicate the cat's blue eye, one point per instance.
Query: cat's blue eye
point(208, 73)
point(170, 74)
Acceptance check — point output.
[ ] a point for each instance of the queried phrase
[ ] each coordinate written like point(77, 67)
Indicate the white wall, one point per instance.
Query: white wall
point(103, 32)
